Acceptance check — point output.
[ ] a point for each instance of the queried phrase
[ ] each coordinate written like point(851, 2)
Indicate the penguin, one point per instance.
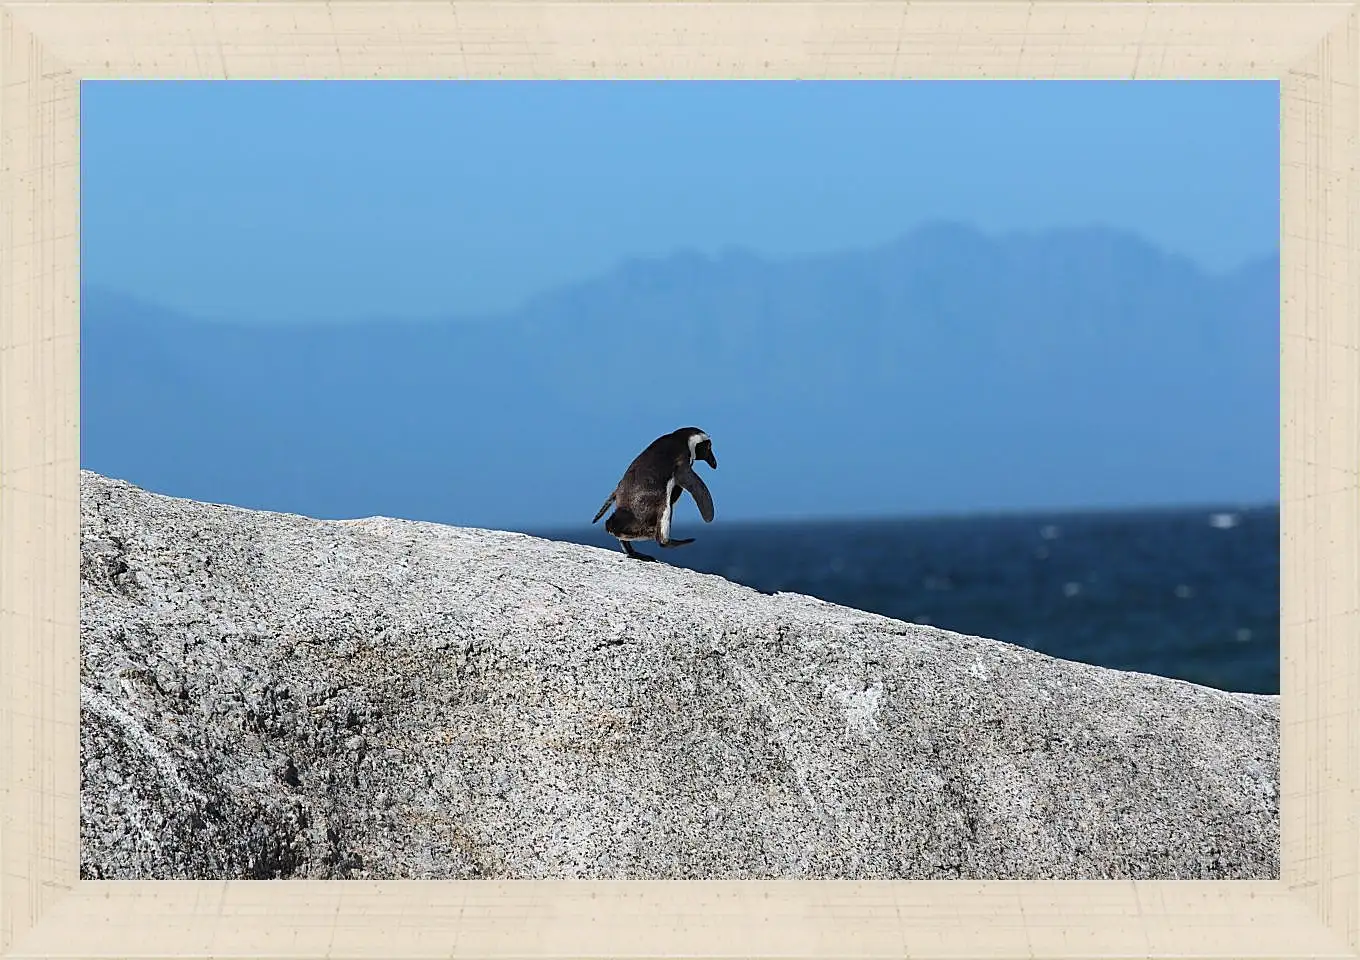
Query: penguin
point(653, 482)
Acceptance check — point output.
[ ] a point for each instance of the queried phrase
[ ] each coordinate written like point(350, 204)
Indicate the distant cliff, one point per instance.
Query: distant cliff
point(1052, 370)
point(267, 695)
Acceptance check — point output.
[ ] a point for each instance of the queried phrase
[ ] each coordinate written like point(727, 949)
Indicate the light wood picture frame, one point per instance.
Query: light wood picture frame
point(48, 46)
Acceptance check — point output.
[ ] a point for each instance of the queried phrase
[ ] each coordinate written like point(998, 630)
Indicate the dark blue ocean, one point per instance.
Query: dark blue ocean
point(1186, 593)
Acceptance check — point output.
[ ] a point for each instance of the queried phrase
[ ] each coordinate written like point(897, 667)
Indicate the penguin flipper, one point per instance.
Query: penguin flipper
point(605, 507)
point(692, 482)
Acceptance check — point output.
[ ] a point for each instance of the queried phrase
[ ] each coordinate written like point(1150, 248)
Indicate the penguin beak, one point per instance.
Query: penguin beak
point(711, 460)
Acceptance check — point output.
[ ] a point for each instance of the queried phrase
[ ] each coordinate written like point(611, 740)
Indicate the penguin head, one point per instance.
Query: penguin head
point(704, 451)
point(700, 446)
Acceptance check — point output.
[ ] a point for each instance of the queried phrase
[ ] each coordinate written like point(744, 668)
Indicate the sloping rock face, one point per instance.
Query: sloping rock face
point(266, 695)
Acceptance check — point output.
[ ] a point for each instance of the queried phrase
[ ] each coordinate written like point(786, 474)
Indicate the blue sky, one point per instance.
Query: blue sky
point(1070, 370)
point(255, 200)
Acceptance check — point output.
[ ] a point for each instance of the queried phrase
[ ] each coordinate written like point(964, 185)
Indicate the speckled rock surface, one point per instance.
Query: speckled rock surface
point(266, 695)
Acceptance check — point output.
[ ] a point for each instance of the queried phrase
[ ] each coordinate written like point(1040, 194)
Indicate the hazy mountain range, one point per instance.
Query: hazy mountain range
point(949, 371)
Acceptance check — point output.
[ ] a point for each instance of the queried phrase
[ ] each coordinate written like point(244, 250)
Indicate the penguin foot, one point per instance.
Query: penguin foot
point(675, 543)
point(628, 549)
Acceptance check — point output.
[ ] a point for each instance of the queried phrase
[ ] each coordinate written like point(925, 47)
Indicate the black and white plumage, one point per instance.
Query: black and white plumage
point(653, 482)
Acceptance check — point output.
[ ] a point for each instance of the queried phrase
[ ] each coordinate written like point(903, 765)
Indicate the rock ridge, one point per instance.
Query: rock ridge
point(266, 695)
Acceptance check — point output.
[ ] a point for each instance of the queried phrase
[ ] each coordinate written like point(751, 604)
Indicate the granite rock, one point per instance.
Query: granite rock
point(267, 696)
